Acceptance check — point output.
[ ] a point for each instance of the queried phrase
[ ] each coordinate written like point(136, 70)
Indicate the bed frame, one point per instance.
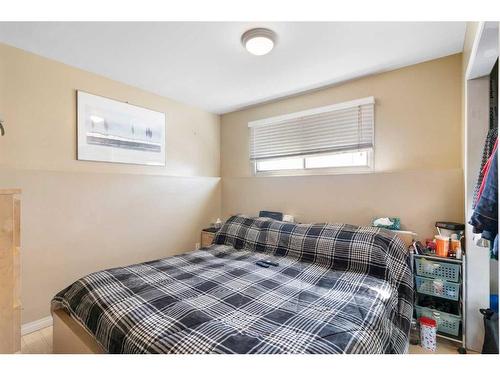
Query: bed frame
point(71, 338)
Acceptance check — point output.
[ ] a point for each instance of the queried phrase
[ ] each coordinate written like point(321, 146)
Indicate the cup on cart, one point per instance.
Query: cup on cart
point(442, 246)
point(428, 330)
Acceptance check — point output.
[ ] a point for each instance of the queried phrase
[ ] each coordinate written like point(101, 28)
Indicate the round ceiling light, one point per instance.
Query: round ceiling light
point(258, 41)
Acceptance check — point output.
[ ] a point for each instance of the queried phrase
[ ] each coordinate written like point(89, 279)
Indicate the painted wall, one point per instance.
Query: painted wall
point(470, 33)
point(418, 168)
point(79, 217)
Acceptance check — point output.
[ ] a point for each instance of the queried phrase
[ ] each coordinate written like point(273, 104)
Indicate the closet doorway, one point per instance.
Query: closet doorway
point(481, 70)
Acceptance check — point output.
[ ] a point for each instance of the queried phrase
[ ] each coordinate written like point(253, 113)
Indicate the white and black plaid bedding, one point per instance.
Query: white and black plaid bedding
point(337, 289)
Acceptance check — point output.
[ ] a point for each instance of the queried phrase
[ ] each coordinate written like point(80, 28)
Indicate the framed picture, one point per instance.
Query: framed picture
point(117, 132)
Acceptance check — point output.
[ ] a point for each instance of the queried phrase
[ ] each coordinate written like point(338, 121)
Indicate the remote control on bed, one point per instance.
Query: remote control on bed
point(267, 263)
point(262, 264)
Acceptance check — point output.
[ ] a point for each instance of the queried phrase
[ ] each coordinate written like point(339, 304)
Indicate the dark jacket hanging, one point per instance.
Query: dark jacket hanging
point(485, 217)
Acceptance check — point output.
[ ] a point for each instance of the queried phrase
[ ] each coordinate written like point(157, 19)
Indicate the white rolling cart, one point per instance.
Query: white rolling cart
point(442, 280)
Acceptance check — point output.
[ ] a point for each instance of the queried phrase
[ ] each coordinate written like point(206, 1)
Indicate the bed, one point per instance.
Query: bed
point(336, 288)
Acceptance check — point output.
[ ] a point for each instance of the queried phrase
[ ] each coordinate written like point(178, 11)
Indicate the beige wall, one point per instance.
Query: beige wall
point(79, 217)
point(470, 34)
point(39, 108)
point(418, 170)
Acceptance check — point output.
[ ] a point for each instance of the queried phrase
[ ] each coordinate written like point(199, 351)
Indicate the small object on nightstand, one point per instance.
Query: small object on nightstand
point(217, 225)
point(207, 236)
point(271, 214)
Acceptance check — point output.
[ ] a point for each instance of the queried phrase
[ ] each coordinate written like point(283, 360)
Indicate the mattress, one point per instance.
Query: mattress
point(334, 289)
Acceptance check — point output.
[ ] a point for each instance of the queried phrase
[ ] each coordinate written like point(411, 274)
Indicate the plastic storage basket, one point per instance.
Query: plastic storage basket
point(446, 323)
point(438, 288)
point(435, 269)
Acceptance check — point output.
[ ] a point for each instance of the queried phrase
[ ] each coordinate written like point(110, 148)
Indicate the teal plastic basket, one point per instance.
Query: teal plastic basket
point(438, 270)
point(446, 323)
point(438, 288)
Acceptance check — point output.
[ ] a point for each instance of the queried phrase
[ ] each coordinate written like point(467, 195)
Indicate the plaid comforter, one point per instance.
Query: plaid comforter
point(336, 289)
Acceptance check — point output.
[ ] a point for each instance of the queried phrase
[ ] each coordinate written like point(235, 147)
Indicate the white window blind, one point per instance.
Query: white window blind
point(339, 127)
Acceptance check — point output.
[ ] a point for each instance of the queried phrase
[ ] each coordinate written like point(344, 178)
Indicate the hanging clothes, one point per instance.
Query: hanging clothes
point(484, 219)
point(487, 152)
point(486, 169)
point(492, 135)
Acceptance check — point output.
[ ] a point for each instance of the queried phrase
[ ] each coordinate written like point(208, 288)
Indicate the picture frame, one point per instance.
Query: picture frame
point(117, 132)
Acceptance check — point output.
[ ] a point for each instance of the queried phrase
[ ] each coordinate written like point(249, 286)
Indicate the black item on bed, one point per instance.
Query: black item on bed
point(338, 289)
point(272, 215)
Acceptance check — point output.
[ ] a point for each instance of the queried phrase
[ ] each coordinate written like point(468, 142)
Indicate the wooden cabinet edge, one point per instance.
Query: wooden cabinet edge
point(10, 242)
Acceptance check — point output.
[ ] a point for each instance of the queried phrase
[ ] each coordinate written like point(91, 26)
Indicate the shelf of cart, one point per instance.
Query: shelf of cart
point(437, 269)
point(446, 323)
point(439, 288)
point(439, 259)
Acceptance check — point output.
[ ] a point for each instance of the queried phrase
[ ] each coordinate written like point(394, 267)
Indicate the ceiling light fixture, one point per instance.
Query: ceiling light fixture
point(258, 41)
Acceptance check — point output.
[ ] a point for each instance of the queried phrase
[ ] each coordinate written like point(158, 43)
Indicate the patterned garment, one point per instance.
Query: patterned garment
point(336, 289)
point(489, 145)
point(492, 135)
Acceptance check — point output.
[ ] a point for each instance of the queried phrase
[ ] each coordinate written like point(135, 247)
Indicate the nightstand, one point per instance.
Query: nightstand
point(207, 236)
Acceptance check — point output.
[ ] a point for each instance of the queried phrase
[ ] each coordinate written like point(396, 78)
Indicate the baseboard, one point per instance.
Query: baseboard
point(36, 325)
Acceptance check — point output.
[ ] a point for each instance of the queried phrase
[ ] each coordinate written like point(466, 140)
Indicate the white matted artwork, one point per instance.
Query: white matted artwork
point(117, 132)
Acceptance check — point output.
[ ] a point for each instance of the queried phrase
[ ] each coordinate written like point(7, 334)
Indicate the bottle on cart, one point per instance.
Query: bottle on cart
point(414, 332)
point(458, 251)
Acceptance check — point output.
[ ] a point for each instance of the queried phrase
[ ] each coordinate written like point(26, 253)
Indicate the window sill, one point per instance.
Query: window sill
point(315, 172)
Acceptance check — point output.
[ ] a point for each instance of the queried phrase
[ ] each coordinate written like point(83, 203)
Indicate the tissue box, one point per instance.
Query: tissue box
point(393, 223)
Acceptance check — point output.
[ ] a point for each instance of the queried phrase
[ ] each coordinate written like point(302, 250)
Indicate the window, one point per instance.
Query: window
point(336, 138)
point(344, 161)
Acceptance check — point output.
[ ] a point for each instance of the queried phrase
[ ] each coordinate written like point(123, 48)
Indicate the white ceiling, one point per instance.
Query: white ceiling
point(204, 64)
